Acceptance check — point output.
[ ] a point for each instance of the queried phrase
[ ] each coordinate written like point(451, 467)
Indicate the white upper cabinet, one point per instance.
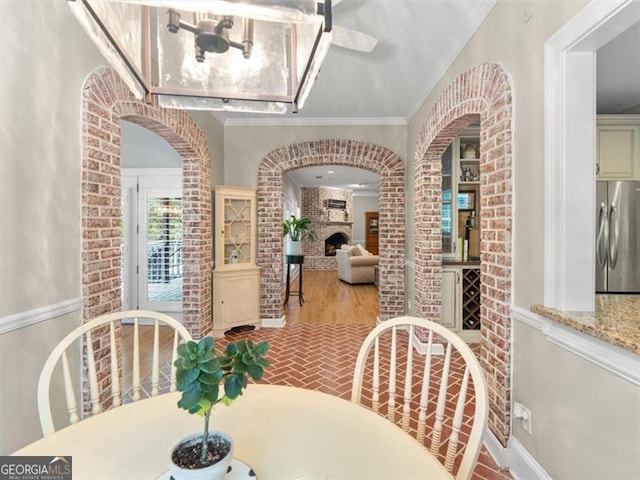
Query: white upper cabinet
point(618, 147)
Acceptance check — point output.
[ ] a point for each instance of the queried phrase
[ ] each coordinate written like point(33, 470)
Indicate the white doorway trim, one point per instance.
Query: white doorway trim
point(139, 184)
point(570, 109)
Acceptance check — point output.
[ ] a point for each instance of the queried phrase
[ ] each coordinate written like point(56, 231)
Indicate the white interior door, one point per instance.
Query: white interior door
point(152, 256)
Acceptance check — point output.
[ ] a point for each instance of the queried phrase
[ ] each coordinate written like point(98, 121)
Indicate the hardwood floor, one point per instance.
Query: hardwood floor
point(328, 300)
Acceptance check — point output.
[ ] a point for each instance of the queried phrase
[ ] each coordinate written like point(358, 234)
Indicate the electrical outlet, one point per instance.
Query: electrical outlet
point(522, 413)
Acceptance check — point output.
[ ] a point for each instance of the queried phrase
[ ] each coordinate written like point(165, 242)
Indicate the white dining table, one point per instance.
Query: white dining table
point(282, 433)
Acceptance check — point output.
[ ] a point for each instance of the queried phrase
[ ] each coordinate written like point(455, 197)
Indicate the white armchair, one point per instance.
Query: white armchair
point(356, 265)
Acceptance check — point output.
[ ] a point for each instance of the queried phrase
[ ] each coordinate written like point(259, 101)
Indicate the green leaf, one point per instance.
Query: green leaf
point(212, 395)
point(206, 357)
point(247, 358)
point(263, 362)
point(232, 349)
point(183, 349)
point(255, 372)
point(192, 347)
point(211, 366)
point(262, 348)
point(205, 344)
point(209, 378)
point(190, 398)
point(185, 377)
point(233, 386)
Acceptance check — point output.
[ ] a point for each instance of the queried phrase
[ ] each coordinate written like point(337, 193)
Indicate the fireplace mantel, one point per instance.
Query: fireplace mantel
point(336, 223)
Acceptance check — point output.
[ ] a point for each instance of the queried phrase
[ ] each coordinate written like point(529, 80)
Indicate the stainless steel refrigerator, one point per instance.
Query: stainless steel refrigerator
point(618, 237)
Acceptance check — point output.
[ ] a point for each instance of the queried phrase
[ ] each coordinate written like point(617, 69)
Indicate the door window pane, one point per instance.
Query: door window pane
point(164, 249)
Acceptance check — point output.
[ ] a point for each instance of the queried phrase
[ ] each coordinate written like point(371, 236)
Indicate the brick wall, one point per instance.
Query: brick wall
point(482, 92)
point(107, 100)
point(325, 222)
point(388, 165)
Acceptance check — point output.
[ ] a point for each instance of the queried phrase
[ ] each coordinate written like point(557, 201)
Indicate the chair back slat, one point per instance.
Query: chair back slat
point(442, 399)
point(96, 355)
point(452, 446)
point(69, 391)
point(135, 384)
point(375, 400)
point(174, 357)
point(440, 407)
point(424, 391)
point(93, 377)
point(115, 370)
point(408, 384)
point(155, 368)
point(391, 411)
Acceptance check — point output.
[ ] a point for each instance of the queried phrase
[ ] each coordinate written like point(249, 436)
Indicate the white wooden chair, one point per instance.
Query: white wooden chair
point(84, 333)
point(435, 376)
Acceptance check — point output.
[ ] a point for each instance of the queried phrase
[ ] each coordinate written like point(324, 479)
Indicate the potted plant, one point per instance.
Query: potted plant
point(206, 380)
point(297, 229)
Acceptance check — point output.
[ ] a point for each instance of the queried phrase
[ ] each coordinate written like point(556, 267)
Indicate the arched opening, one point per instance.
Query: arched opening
point(106, 101)
point(390, 168)
point(484, 90)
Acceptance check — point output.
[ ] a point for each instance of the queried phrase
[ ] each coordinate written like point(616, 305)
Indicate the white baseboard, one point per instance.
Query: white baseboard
point(515, 458)
point(495, 449)
point(9, 323)
point(522, 465)
point(273, 322)
point(421, 348)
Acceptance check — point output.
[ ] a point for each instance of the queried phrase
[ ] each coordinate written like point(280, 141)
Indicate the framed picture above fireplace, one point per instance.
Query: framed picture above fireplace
point(338, 204)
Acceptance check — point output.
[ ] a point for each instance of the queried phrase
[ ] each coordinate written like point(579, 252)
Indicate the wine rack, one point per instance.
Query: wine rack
point(471, 299)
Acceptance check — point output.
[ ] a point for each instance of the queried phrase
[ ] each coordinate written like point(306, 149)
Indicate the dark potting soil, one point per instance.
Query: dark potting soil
point(187, 455)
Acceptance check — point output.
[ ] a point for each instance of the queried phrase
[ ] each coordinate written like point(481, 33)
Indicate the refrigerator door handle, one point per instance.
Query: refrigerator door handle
point(603, 237)
point(613, 242)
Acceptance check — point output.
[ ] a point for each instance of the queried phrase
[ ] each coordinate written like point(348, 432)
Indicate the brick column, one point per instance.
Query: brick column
point(483, 92)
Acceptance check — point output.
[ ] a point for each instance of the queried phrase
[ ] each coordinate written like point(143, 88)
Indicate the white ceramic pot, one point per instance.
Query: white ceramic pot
point(293, 248)
point(217, 471)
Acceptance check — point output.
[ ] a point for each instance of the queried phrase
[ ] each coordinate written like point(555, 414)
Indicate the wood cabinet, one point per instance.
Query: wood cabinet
point(461, 196)
point(371, 229)
point(236, 277)
point(618, 147)
point(460, 310)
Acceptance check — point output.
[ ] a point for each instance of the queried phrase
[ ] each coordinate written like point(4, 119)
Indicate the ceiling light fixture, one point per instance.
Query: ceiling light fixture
point(233, 55)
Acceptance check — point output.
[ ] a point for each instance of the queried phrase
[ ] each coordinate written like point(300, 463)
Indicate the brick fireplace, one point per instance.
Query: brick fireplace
point(328, 223)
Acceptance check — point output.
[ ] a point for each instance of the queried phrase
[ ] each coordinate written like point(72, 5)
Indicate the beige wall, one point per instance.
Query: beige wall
point(40, 156)
point(504, 37)
point(214, 132)
point(246, 146)
point(40, 97)
point(585, 419)
point(22, 355)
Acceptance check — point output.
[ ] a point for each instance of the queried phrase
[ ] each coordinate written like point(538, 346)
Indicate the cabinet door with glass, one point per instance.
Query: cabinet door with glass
point(235, 228)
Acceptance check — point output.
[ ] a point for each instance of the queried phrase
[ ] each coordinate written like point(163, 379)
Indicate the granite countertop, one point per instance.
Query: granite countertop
point(616, 320)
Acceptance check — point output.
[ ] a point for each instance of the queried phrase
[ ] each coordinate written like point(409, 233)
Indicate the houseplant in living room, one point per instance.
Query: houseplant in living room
point(206, 380)
point(297, 229)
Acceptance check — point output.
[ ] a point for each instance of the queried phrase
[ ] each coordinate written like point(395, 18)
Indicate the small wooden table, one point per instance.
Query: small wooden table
point(294, 260)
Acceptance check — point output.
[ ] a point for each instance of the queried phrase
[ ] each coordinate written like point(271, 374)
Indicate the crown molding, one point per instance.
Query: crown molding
point(302, 121)
point(465, 33)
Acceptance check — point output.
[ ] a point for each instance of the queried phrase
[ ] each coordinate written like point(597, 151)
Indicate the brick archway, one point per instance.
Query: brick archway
point(390, 168)
point(106, 101)
point(483, 91)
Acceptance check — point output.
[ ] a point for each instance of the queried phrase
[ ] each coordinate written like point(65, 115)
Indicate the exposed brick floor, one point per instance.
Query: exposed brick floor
point(322, 357)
